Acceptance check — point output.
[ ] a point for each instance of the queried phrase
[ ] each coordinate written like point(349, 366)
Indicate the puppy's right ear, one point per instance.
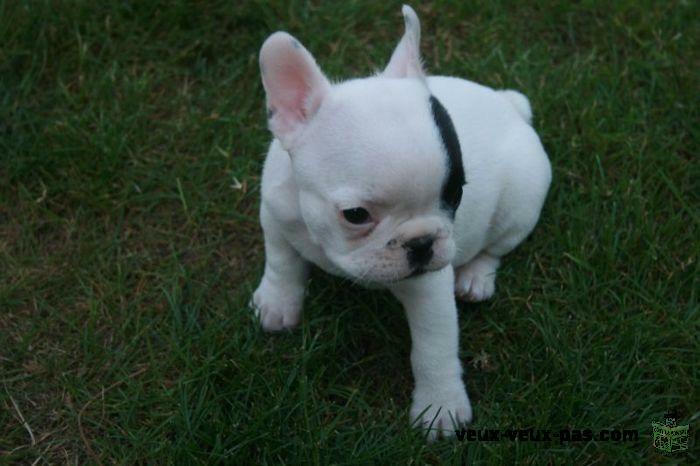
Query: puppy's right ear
point(294, 84)
point(405, 62)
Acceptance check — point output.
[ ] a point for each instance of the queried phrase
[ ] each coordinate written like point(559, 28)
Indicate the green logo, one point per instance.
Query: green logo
point(669, 437)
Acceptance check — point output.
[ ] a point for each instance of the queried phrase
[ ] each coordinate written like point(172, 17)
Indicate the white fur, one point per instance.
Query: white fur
point(520, 102)
point(372, 143)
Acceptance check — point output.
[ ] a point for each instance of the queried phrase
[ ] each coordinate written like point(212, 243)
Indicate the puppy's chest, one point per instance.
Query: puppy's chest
point(281, 200)
point(298, 236)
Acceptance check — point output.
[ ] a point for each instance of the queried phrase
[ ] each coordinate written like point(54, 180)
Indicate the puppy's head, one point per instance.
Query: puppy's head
point(376, 160)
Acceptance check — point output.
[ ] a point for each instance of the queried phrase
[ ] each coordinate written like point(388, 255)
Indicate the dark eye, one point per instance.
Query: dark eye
point(356, 216)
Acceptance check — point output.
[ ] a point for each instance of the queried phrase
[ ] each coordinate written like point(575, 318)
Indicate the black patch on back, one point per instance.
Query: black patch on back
point(452, 188)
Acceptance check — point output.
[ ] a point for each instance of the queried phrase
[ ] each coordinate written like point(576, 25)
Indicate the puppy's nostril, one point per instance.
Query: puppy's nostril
point(422, 243)
point(419, 250)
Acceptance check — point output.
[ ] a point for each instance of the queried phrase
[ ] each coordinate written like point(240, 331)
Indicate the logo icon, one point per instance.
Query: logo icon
point(669, 437)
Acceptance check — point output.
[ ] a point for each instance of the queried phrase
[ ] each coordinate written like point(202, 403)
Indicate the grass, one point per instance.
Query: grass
point(132, 138)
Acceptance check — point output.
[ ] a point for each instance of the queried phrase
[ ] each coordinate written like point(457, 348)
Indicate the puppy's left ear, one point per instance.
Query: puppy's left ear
point(294, 84)
point(406, 61)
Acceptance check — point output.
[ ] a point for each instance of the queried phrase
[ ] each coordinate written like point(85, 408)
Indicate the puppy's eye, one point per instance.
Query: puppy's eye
point(356, 216)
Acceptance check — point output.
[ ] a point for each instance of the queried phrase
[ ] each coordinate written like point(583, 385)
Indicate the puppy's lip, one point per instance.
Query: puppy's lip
point(418, 271)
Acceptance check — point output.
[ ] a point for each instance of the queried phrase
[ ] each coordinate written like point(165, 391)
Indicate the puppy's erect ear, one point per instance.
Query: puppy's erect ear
point(294, 84)
point(405, 61)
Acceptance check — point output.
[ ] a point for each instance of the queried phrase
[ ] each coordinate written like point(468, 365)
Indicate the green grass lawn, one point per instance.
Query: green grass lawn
point(131, 143)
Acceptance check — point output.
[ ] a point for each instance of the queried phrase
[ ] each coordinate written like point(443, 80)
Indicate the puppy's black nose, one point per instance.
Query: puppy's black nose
point(419, 250)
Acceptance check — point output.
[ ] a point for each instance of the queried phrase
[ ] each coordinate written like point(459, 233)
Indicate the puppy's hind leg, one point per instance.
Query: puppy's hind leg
point(476, 280)
point(519, 208)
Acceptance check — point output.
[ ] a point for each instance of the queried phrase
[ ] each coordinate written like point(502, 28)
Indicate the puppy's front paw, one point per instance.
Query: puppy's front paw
point(277, 307)
point(476, 281)
point(440, 412)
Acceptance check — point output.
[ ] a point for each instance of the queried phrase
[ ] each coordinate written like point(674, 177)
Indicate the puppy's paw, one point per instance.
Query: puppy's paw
point(476, 280)
point(277, 308)
point(440, 412)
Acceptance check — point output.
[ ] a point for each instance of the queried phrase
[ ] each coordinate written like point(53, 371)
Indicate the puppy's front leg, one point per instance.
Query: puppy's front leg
point(279, 297)
point(439, 397)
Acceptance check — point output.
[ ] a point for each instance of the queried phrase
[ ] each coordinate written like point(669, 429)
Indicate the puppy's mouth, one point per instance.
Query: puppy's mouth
point(422, 269)
point(416, 272)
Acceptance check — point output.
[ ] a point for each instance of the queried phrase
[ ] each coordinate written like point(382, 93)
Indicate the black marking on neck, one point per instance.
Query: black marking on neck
point(452, 188)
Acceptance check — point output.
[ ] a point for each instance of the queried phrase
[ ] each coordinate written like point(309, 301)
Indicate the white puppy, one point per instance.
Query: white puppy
point(413, 183)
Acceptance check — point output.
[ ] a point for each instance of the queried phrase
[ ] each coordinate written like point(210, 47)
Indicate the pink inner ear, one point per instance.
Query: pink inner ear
point(287, 89)
point(294, 84)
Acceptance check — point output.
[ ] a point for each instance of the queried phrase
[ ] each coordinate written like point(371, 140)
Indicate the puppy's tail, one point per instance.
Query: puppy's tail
point(520, 102)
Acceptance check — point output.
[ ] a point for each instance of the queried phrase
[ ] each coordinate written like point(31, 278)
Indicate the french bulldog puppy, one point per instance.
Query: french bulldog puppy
point(414, 183)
